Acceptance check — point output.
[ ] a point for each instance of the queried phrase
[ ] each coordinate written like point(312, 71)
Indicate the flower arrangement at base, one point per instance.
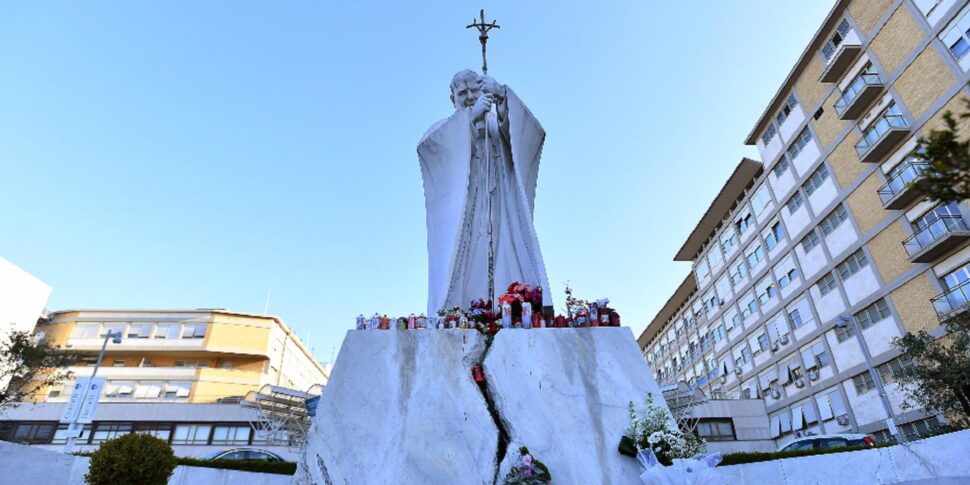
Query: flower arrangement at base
point(521, 306)
point(652, 432)
point(527, 471)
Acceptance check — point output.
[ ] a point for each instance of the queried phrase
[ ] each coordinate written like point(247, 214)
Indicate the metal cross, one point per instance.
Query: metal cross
point(483, 29)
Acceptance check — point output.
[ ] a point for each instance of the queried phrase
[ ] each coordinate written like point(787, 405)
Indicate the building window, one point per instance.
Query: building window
point(787, 278)
point(750, 309)
point(816, 179)
point(960, 43)
point(114, 328)
point(873, 314)
point(107, 431)
point(716, 429)
point(760, 200)
point(231, 435)
point(826, 284)
point(168, 330)
point(86, 331)
point(810, 241)
point(844, 333)
point(943, 210)
point(863, 383)
point(738, 272)
point(714, 257)
point(194, 330)
point(768, 293)
point(800, 141)
point(833, 220)
point(796, 318)
point(786, 110)
point(768, 134)
point(33, 433)
point(852, 265)
point(895, 369)
point(780, 167)
point(162, 431)
point(140, 330)
point(736, 320)
point(920, 429)
point(775, 235)
point(828, 50)
point(191, 434)
point(927, 6)
point(794, 202)
point(755, 255)
point(729, 240)
point(744, 222)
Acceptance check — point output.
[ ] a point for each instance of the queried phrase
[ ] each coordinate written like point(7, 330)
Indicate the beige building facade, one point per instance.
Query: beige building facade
point(825, 229)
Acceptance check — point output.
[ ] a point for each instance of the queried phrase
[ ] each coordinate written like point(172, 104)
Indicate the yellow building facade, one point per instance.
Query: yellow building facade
point(195, 356)
point(825, 229)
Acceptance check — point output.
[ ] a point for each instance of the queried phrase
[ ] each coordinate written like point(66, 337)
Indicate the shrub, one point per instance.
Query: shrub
point(132, 458)
point(260, 466)
point(752, 457)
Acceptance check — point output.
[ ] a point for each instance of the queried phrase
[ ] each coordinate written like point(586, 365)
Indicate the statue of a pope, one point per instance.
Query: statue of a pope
point(454, 168)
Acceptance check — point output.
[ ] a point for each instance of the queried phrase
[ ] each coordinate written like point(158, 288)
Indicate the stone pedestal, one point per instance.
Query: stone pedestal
point(401, 407)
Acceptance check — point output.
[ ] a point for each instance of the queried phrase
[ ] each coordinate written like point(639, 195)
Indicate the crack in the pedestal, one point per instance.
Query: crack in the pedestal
point(503, 434)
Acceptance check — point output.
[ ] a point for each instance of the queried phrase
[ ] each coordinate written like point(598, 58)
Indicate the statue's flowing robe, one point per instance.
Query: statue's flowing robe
point(453, 166)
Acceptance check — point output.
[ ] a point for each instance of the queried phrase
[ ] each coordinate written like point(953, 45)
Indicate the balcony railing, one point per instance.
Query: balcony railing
point(883, 134)
point(897, 193)
point(858, 95)
point(952, 301)
point(936, 238)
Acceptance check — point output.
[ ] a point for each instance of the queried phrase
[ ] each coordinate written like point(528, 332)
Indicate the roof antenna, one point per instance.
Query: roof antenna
point(266, 306)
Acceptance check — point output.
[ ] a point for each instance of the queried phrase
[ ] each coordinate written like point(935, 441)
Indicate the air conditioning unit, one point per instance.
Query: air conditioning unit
point(799, 383)
point(774, 347)
point(813, 375)
point(842, 420)
point(784, 339)
point(737, 371)
point(723, 379)
point(775, 394)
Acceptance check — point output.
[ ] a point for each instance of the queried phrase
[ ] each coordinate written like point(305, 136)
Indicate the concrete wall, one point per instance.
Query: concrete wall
point(24, 464)
point(942, 459)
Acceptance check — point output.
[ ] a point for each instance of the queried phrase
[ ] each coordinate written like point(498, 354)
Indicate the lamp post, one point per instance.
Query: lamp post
point(844, 321)
point(73, 426)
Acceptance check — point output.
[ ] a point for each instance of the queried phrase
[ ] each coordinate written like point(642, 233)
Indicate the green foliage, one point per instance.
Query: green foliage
point(948, 175)
point(135, 458)
point(30, 367)
point(940, 380)
point(753, 457)
point(260, 466)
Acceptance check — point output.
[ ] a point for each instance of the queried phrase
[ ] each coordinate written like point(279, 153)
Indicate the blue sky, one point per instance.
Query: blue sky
point(207, 154)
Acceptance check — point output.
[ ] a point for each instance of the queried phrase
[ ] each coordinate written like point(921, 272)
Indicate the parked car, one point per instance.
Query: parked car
point(242, 454)
point(825, 441)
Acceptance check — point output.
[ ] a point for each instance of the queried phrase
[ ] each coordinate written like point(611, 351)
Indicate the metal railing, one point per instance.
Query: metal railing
point(856, 87)
point(888, 120)
point(933, 232)
point(908, 173)
point(952, 301)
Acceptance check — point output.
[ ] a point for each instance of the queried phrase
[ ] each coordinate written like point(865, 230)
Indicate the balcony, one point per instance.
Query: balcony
point(897, 193)
point(839, 59)
point(858, 95)
point(952, 301)
point(884, 134)
point(936, 239)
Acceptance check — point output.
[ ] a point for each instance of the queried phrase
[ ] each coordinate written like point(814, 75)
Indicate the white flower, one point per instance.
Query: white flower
point(655, 438)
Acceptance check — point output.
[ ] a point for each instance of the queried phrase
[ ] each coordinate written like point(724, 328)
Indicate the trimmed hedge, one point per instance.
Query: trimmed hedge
point(132, 458)
point(259, 466)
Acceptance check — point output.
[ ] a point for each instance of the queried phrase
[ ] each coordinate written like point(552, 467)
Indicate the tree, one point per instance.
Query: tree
point(947, 178)
point(28, 366)
point(133, 458)
point(940, 380)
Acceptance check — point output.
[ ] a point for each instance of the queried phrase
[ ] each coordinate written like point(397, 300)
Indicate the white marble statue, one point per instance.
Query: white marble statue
point(453, 166)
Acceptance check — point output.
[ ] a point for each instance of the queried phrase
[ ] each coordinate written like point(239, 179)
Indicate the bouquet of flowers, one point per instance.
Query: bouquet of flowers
point(527, 471)
point(518, 294)
point(652, 432)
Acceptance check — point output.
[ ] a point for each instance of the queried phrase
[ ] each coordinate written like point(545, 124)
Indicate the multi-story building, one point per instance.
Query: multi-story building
point(181, 375)
point(22, 299)
point(826, 229)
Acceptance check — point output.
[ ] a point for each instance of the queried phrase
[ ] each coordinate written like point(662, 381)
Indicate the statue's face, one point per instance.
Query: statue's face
point(466, 92)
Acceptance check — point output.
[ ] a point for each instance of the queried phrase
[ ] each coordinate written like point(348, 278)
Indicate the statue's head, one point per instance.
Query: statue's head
point(466, 87)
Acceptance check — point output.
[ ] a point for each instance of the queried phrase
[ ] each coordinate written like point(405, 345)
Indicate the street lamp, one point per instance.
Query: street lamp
point(72, 429)
point(843, 321)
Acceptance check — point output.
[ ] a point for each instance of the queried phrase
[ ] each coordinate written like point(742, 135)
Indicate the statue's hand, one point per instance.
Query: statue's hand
point(490, 86)
point(482, 105)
